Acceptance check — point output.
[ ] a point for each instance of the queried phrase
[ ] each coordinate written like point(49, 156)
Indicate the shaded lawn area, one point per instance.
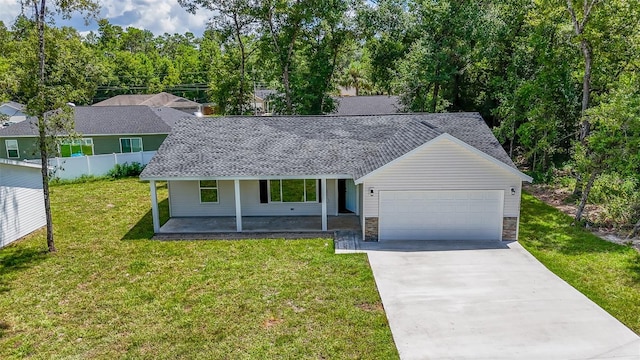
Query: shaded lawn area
point(110, 292)
point(607, 273)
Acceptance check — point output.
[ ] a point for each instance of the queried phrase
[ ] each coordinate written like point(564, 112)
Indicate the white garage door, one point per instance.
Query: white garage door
point(441, 215)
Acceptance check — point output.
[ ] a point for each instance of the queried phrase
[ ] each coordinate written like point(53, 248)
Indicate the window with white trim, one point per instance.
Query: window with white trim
point(78, 147)
point(129, 145)
point(293, 190)
point(208, 191)
point(12, 149)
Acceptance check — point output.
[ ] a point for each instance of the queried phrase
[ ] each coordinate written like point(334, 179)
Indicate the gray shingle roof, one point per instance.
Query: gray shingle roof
point(160, 99)
point(367, 105)
point(14, 105)
point(111, 120)
point(307, 145)
point(265, 93)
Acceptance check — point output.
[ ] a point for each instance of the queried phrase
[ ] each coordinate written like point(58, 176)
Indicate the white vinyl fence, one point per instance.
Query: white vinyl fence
point(96, 165)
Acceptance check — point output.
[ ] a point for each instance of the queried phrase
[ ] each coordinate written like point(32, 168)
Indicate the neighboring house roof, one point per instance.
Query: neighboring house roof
point(300, 146)
point(14, 105)
point(110, 120)
point(265, 93)
point(161, 99)
point(19, 163)
point(367, 105)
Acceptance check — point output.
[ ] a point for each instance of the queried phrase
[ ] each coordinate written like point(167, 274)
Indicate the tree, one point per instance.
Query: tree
point(432, 75)
point(388, 29)
point(47, 97)
point(355, 77)
point(613, 144)
point(304, 41)
point(234, 19)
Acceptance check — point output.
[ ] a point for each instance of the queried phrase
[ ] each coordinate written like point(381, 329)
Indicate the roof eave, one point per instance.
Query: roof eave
point(243, 177)
point(21, 163)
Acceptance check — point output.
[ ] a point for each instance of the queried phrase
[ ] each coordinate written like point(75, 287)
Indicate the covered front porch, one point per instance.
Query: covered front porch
point(258, 205)
point(267, 224)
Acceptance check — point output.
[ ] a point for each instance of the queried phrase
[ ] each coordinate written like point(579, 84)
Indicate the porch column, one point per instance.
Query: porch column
point(323, 186)
point(236, 184)
point(154, 207)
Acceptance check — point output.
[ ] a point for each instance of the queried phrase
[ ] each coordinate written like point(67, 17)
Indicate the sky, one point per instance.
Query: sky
point(158, 16)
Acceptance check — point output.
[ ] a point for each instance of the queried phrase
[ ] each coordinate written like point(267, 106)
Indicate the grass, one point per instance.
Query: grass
point(109, 292)
point(607, 273)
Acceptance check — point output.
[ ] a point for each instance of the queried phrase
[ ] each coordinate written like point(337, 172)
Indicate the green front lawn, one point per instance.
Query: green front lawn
point(110, 292)
point(607, 273)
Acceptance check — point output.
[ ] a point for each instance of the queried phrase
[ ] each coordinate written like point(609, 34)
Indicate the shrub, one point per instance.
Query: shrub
point(125, 170)
point(81, 180)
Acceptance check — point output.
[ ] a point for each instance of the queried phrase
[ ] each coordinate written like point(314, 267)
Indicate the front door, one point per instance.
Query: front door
point(347, 196)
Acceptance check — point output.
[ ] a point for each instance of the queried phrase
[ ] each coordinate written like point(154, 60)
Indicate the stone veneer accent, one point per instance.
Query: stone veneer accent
point(510, 228)
point(371, 229)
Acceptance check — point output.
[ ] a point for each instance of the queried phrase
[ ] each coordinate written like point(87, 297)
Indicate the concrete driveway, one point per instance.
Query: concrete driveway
point(489, 301)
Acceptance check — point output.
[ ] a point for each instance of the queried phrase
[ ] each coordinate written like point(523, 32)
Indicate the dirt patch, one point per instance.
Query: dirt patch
point(271, 322)
point(371, 307)
point(558, 199)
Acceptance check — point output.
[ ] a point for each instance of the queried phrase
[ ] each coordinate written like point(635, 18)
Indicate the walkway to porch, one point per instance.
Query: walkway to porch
point(227, 224)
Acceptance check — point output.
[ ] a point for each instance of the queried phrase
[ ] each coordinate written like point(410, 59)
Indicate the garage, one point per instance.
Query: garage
point(441, 215)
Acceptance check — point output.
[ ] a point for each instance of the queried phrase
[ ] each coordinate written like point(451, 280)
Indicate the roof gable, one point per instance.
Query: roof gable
point(160, 99)
point(434, 142)
point(13, 105)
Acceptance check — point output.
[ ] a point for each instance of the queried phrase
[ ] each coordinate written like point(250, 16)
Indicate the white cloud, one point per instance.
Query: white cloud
point(158, 16)
point(10, 11)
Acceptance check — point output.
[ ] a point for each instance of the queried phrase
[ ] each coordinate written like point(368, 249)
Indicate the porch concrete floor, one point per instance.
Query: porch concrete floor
point(225, 224)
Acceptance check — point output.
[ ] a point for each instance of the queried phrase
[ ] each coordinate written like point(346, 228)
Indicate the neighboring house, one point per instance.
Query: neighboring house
point(367, 105)
point(21, 200)
point(346, 91)
point(104, 130)
point(261, 101)
point(157, 100)
point(406, 176)
point(14, 112)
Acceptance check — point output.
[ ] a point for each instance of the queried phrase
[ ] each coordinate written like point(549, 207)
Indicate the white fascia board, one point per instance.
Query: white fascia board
point(20, 163)
point(124, 134)
point(270, 177)
point(455, 140)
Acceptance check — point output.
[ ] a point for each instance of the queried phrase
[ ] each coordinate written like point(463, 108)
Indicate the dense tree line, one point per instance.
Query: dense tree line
point(557, 80)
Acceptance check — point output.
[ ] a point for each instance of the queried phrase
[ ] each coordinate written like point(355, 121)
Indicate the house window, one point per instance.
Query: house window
point(12, 149)
point(79, 147)
point(128, 145)
point(293, 190)
point(208, 191)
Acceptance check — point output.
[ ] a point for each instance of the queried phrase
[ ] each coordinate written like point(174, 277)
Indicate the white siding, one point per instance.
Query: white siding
point(184, 200)
point(443, 166)
point(21, 202)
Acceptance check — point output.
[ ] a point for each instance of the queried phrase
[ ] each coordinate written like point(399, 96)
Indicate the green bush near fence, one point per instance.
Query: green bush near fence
point(120, 171)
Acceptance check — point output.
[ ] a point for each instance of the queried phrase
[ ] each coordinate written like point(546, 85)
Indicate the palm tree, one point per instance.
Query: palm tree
point(355, 77)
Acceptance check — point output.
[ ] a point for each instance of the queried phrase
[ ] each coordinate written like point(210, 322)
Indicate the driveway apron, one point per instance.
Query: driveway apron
point(462, 302)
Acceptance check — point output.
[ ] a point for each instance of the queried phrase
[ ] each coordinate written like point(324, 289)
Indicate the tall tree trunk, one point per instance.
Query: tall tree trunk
point(578, 26)
point(42, 129)
point(436, 89)
point(585, 196)
point(586, 90)
point(334, 61)
point(243, 59)
point(513, 136)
